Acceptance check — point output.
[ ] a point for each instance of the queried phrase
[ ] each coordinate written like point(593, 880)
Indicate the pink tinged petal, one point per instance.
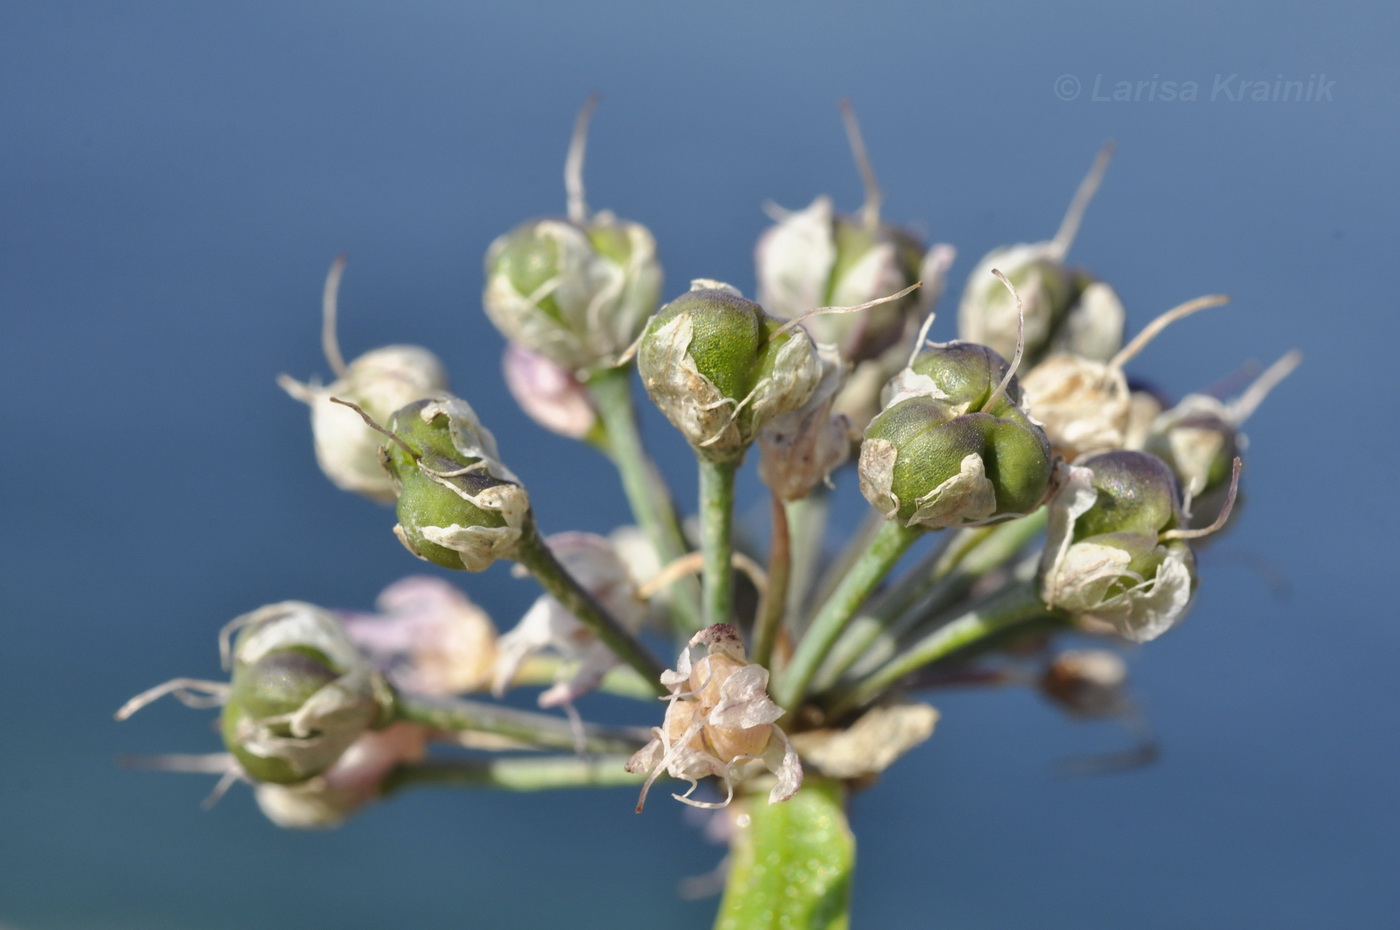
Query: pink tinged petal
point(548, 393)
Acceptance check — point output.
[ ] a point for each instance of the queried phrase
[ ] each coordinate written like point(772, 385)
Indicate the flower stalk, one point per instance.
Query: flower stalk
point(535, 556)
point(513, 774)
point(999, 612)
point(892, 541)
point(646, 490)
point(529, 728)
point(717, 537)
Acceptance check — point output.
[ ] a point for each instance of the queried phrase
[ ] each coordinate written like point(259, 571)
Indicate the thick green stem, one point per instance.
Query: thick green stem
point(771, 611)
point(514, 774)
point(646, 491)
point(535, 556)
point(856, 585)
point(937, 582)
point(1006, 608)
point(454, 715)
point(717, 539)
point(790, 864)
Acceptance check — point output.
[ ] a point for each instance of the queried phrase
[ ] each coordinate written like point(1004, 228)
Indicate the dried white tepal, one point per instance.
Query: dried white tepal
point(1084, 404)
point(549, 626)
point(718, 718)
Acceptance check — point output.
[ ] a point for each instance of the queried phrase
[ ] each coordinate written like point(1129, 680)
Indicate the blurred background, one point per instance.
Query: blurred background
point(175, 179)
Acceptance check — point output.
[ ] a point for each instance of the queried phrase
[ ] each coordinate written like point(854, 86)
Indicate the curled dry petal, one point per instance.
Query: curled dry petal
point(378, 382)
point(548, 392)
point(718, 718)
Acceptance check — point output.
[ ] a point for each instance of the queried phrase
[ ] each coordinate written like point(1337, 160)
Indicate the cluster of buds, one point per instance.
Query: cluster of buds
point(326, 711)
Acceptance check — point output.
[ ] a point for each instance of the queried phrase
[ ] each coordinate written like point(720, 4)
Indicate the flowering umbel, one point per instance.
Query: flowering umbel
point(718, 717)
point(805, 667)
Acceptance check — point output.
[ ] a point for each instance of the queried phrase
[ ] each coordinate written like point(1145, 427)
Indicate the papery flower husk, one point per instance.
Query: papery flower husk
point(1063, 310)
point(428, 637)
point(1087, 683)
point(378, 382)
point(353, 782)
point(1083, 405)
point(874, 742)
point(1198, 440)
point(814, 258)
point(578, 295)
point(300, 693)
point(800, 448)
point(548, 393)
point(719, 716)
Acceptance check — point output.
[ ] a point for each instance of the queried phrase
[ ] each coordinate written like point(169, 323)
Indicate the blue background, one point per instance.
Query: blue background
point(174, 179)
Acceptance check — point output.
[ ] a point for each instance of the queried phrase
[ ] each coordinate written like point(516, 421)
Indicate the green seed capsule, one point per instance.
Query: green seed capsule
point(720, 368)
point(1110, 553)
point(300, 694)
point(925, 464)
point(458, 506)
point(576, 293)
point(967, 374)
point(1137, 493)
